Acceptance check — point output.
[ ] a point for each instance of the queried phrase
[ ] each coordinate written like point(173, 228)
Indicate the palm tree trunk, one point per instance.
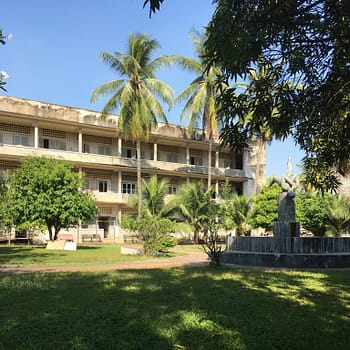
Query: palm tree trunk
point(139, 191)
point(209, 161)
point(258, 161)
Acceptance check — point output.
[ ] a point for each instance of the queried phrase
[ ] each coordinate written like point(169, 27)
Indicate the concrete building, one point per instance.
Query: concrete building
point(108, 160)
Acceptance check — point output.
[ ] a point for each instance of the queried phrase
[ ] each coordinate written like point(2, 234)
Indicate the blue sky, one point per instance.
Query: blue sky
point(54, 53)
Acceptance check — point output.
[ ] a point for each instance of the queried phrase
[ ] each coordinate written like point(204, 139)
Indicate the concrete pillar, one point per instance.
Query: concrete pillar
point(155, 151)
point(119, 215)
point(36, 135)
point(80, 141)
point(216, 159)
point(217, 189)
point(119, 184)
point(187, 154)
point(119, 151)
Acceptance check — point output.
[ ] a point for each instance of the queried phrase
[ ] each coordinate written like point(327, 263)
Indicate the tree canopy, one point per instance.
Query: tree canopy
point(307, 43)
point(265, 212)
point(45, 190)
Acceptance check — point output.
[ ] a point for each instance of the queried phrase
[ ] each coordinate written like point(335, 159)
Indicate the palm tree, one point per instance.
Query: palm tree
point(154, 192)
point(153, 198)
point(241, 207)
point(339, 215)
point(137, 93)
point(195, 205)
point(201, 95)
point(234, 210)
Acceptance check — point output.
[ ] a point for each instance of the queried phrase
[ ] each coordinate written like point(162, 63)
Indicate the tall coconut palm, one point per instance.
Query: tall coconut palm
point(137, 92)
point(201, 95)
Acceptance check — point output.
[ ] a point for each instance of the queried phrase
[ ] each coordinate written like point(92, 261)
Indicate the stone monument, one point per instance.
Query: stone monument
point(286, 226)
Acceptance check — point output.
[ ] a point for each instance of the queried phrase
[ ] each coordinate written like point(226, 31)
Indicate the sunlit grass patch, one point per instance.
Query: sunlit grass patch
point(197, 308)
point(84, 255)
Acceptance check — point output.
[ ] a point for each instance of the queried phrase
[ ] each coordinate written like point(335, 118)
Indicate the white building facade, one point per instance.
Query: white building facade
point(98, 149)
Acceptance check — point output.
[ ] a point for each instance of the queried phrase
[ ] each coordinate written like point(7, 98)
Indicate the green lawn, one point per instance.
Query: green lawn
point(84, 255)
point(193, 308)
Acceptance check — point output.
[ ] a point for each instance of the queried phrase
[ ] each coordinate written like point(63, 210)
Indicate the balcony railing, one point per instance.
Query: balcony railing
point(89, 158)
point(111, 197)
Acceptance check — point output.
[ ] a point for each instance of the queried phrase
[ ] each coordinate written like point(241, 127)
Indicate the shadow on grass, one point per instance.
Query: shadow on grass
point(16, 254)
point(87, 247)
point(197, 308)
point(33, 254)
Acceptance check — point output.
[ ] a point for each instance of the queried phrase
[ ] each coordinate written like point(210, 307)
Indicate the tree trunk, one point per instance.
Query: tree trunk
point(139, 190)
point(196, 237)
point(258, 161)
point(57, 230)
point(209, 160)
point(49, 227)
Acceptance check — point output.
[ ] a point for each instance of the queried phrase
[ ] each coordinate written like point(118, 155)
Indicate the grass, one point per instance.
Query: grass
point(183, 308)
point(84, 255)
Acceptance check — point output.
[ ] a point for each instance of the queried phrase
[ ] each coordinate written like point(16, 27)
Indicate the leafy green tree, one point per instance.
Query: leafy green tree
point(155, 234)
point(339, 215)
point(137, 93)
point(195, 205)
point(305, 42)
point(258, 97)
point(265, 207)
point(201, 107)
point(45, 190)
point(312, 211)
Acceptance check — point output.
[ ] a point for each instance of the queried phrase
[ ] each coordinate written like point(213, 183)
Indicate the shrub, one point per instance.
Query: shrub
point(312, 212)
point(129, 222)
point(155, 234)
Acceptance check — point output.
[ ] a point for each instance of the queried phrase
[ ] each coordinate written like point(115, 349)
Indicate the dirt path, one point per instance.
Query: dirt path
point(190, 259)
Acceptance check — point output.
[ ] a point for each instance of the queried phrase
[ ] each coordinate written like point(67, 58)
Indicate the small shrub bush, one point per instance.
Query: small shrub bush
point(155, 234)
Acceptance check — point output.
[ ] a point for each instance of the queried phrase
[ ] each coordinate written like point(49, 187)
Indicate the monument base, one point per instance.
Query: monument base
point(315, 261)
point(286, 229)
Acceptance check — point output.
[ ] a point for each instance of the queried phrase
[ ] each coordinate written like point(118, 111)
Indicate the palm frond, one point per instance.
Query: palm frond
point(157, 63)
point(105, 89)
point(160, 89)
point(116, 61)
point(188, 64)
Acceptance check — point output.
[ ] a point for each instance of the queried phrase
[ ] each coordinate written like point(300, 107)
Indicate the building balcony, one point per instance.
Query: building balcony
point(117, 163)
point(111, 197)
